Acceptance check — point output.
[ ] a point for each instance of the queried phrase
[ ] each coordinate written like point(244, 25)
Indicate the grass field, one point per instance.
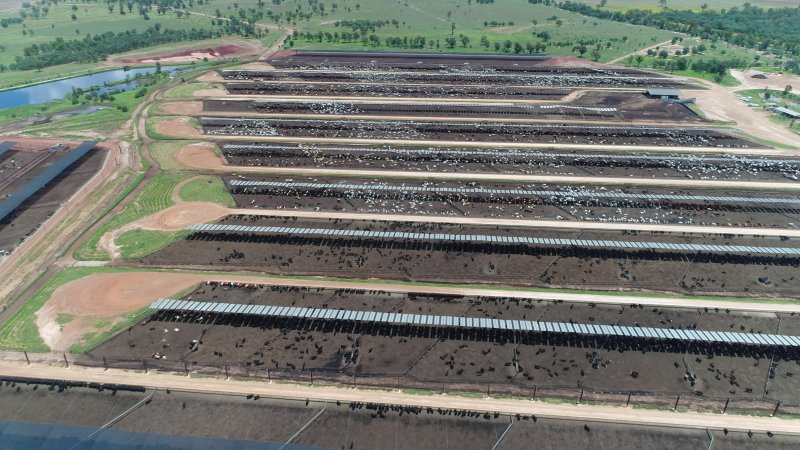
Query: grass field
point(156, 196)
point(163, 153)
point(501, 22)
point(622, 5)
point(207, 189)
point(517, 21)
point(20, 331)
point(136, 244)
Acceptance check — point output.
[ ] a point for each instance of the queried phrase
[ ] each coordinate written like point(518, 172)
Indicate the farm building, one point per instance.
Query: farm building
point(788, 113)
point(664, 94)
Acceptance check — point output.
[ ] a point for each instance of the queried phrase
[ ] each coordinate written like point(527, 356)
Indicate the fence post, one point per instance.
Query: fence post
point(65, 359)
point(26, 358)
point(534, 391)
point(580, 399)
point(144, 363)
point(227, 377)
point(269, 377)
point(354, 379)
point(725, 408)
point(628, 402)
point(105, 363)
point(311, 372)
point(186, 368)
point(488, 389)
point(775, 412)
point(676, 402)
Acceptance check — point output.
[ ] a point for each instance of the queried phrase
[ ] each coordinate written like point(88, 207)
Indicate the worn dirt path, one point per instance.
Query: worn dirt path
point(183, 215)
point(722, 103)
point(619, 415)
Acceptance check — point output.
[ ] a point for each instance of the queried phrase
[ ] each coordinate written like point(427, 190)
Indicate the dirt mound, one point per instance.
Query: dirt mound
point(225, 50)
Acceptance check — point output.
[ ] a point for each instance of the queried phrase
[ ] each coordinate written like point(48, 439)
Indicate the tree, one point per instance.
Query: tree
point(787, 90)
point(639, 59)
point(662, 4)
point(602, 4)
point(450, 41)
point(596, 54)
point(581, 49)
point(484, 42)
point(464, 40)
point(629, 60)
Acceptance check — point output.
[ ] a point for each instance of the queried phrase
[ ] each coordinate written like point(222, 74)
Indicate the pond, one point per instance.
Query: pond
point(57, 90)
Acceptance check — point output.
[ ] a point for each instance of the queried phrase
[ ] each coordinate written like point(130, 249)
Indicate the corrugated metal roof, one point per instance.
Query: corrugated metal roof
point(787, 111)
point(660, 92)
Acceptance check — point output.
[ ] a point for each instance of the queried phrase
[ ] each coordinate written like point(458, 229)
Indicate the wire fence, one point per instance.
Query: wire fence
point(664, 400)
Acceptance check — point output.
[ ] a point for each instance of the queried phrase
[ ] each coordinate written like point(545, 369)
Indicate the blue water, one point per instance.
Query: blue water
point(57, 90)
point(33, 436)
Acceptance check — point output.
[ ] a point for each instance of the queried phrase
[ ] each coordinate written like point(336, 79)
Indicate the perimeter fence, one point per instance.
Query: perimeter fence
point(663, 400)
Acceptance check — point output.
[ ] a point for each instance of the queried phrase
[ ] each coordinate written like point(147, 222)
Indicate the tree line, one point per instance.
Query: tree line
point(775, 29)
point(98, 47)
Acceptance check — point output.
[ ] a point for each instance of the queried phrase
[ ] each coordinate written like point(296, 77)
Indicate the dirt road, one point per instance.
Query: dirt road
point(182, 215)
point(721, 103)
point(619, 415)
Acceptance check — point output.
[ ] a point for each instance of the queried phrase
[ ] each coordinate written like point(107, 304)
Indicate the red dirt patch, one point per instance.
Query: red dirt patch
point(102, 296)
point(200, 156)
point(177, 128)
point(181, 108)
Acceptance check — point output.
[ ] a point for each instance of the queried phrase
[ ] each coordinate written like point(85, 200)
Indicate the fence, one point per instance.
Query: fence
point(549, 393)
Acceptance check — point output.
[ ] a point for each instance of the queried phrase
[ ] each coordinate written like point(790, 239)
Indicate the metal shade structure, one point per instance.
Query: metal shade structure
point(759, 339)
point(25, 192)
point(493, 239)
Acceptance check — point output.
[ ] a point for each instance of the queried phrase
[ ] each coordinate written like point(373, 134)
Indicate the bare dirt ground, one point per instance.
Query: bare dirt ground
point(197, 51)
point(177, 128)
point(200, 156)
point(511, 406)
point(101, 296)
point(181, 108)
point(773, 80)
point(210, 77)
point(174, 218)
point(212, 92)
point(721, 103)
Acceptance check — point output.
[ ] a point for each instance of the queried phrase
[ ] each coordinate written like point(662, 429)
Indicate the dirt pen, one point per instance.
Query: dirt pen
point(712, 377)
